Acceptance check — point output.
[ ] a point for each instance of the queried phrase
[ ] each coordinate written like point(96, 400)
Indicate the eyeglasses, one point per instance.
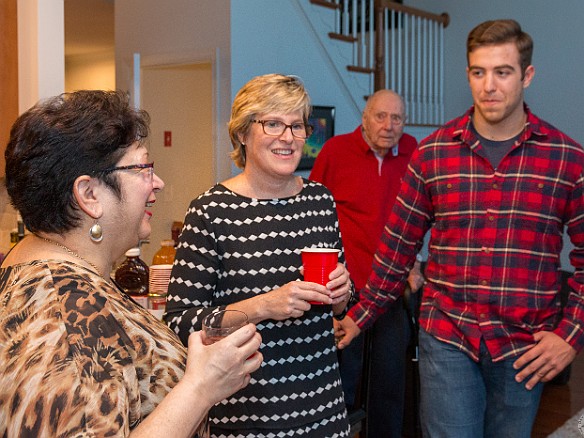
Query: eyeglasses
point(277, 128)
point(396, 119)
point(144, 169)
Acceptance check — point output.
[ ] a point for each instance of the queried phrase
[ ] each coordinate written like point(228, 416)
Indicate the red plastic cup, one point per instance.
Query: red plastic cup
point(318, 263)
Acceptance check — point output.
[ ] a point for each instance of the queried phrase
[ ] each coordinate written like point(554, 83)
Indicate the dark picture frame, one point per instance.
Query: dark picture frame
point(322, 120)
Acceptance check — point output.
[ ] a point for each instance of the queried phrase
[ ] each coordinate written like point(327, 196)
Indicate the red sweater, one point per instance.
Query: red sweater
point(348, 167)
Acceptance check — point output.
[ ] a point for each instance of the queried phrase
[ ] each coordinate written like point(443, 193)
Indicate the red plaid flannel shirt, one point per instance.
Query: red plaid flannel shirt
point(495, 242)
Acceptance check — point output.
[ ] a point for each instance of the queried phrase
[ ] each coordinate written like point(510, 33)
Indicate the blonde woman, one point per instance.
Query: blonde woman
point(240, 249)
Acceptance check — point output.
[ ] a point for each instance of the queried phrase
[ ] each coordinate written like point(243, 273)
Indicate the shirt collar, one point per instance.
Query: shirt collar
point(533, 126)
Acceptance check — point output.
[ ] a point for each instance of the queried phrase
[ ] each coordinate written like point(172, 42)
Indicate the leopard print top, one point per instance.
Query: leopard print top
point(78, 357)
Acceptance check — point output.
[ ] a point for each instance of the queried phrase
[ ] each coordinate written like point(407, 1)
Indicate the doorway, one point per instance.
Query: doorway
point(179, 99)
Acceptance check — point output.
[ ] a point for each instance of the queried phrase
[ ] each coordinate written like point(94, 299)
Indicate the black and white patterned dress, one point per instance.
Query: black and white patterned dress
point(233, 248)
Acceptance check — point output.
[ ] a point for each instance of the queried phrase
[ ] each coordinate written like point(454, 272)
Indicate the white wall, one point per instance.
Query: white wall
point(41, 71)
point(180, 31)
point(178, 100)
point(41, 50)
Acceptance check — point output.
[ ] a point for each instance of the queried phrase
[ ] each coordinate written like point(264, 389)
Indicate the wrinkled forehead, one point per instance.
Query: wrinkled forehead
point(387, 104)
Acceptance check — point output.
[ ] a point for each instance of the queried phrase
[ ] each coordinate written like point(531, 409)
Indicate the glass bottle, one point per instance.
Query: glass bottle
point(132, 274)
point(165, 255)
point(13, 238)
point(175, 230)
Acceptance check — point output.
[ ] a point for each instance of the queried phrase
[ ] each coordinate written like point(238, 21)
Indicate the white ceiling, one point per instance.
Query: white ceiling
point(89, 26)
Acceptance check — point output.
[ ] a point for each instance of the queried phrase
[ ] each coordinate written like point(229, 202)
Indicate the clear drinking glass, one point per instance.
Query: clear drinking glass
point(216, 326)
point(222, 323)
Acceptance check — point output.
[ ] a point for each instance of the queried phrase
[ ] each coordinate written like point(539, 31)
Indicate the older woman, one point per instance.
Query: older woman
point(240, 249)
point(79, 358)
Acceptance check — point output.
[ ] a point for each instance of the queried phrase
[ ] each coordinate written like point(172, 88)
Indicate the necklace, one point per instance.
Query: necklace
point(70, 251)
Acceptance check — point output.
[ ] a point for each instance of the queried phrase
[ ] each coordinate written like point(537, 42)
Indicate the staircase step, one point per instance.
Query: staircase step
point(341, 37)
point(326, 4)
point(357, 69)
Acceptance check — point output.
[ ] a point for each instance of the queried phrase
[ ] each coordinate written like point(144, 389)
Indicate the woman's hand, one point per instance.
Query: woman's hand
point(223, 368)
point(293, 299)
point(340, 285)
point(288, 301)
point(213, 373)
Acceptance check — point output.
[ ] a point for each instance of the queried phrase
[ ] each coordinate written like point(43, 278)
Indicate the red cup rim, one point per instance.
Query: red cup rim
point(320, 268)
point(320, 250)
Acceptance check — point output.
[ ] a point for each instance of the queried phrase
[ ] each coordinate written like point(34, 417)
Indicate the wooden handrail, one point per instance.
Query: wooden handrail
point(443, 18)
point(326, 4)
point(380, 7)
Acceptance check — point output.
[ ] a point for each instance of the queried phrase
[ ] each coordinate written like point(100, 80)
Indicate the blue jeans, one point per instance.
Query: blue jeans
point(462, 398)
point(390, 336)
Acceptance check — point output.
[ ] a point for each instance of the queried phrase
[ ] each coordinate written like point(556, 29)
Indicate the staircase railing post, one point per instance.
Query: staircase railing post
point(379, 74)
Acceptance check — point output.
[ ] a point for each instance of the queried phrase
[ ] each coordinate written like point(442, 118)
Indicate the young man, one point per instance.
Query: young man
point(497, 186)
point(363, 171)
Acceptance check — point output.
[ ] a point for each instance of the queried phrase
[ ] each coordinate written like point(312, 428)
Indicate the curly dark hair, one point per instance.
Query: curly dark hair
point(60, 139)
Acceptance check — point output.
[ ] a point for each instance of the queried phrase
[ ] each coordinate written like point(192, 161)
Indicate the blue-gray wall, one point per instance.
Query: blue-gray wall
point(275, 36)
point(556, 93)
point(556, 28)
point(279, 40)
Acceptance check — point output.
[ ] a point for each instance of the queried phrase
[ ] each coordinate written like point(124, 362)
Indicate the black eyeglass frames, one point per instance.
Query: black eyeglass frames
point(276, 128)
point(145, 169)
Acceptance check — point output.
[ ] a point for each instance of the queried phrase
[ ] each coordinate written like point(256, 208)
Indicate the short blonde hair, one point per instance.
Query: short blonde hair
point(264, 94)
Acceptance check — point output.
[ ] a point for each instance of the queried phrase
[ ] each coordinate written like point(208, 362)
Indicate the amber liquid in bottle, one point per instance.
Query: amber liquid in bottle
point(132, 274)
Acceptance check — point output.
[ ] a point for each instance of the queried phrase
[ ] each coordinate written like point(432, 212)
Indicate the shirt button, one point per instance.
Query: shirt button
point(483, 316)
point(491, 218)
point(449, 185)
point(484, 282)
point(495, 186)
point(485, 249)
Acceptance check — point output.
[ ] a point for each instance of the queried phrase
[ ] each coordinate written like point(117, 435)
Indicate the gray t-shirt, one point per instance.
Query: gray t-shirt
point(495, 150)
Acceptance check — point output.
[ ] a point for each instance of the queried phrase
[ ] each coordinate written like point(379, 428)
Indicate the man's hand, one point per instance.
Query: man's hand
point(546, 359)
point(416, 278)
point(345, 331)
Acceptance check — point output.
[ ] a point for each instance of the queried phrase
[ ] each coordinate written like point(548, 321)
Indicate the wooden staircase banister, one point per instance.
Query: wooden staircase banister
point(381, 6)
point(357, 69)
point(341, 37)
point(392, 46)
point(443, 18)
point(326, 4)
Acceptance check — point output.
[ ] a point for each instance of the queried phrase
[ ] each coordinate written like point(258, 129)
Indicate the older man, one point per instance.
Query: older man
point(363, 170)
